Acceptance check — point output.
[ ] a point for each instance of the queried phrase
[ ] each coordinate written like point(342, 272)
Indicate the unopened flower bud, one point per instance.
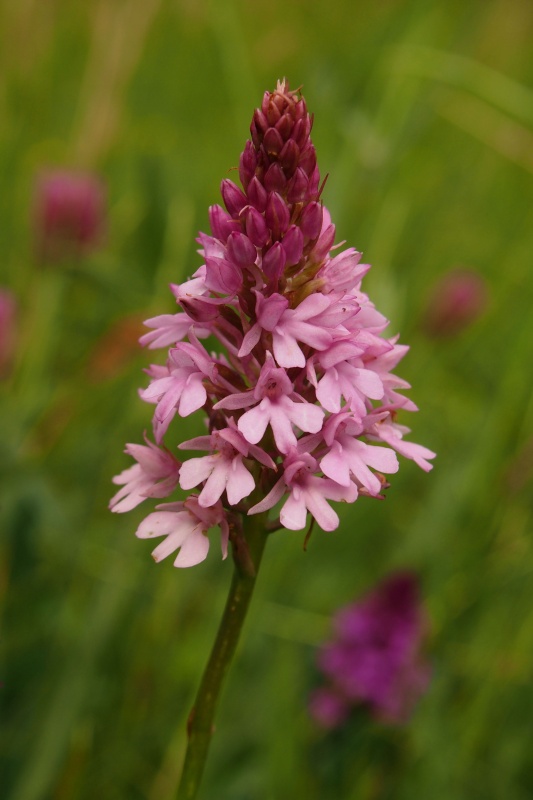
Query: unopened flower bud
point(258, 127)
point(301, 131)
point(234, 199)
point(222, 276)
point(274, 261)
point(221, 223)
point(274, 179)
point(199, 309)
point(271, 110)
point(247, 164)
point(257, 194)
point(289, 157)
point(300, 112)
point(314, 181)
point(240, 250)
point(311, 220)
point(256, 227)
point(307, 160)
point(325, 243)
point(277, 215)
point(284, 126)
point(272, 142)
point(293, 243)
point(297, 187)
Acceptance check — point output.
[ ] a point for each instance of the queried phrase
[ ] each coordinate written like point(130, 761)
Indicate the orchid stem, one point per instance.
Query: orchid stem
point(200, 724)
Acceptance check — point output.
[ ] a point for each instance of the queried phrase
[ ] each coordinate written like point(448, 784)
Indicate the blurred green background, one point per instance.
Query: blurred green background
point(424, 122)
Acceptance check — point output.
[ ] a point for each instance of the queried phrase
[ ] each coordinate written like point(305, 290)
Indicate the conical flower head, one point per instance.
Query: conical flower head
point(281, 155)
point(301, 392)
point(278, 212)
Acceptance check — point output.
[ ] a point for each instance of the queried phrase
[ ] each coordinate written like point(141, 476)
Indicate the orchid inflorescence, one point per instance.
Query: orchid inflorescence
point(302, 405)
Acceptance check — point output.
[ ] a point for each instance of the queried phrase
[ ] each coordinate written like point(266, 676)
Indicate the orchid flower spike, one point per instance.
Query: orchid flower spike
point(300, 399)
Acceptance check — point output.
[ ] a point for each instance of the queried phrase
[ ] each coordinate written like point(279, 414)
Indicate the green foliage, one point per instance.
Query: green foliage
point(424, 121)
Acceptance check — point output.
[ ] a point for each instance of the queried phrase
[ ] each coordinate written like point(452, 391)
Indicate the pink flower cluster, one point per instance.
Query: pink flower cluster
point(302, 405)
point(375, 658)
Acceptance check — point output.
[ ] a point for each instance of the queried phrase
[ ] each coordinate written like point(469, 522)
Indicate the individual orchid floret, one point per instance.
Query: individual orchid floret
point(391, 433)
point(221, 223)
point(182, 389)
point(350, 458)
point(222, 275)
point(369, 319)
point(193, 296)
point(382, 365)
point(343, 272)
point(169, 329)
point(307, 492)
point(338, 316)
point(274, 404)
point(185, 525)
point(289, 326)
point(345, 376)
point(155, 474)
point(223, 471)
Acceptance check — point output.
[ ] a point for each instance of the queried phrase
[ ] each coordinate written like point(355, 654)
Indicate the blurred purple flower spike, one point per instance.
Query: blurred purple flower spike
point(375, 659)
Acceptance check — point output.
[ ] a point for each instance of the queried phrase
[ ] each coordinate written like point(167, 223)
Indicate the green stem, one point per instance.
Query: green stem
point(200, 726)
point(33, 376)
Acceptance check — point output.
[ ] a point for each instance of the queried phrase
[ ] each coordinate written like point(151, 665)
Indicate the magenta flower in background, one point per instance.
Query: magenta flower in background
point(8, 332)
point(300, 400)
point(375, 658)
point(457, 300)
point(70, 214)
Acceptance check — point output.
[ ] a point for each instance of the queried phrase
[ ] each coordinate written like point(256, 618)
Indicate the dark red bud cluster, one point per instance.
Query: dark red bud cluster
point(275, 220)
point(281, 155)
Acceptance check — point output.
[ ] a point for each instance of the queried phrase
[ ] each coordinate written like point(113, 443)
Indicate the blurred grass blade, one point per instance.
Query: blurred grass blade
point(488, 84)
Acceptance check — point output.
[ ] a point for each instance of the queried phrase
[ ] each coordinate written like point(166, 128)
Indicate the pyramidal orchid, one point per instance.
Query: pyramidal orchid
point(300, 400)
